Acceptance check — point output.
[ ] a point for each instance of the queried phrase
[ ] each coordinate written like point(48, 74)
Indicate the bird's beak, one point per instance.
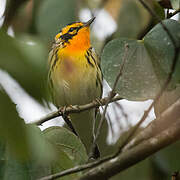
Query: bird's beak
point(86, 24)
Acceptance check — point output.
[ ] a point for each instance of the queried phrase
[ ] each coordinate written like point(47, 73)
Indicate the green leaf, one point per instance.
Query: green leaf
point(69, 150)
point(158, 10)
point(63, 162)
point(38, 163)
point(133, 19)
point(25, 62)
point(2, 159)
point(138, 80)
point(67, 142)
point(53, 15)
point(37, 145)
point(21, 170)
point(168, 157)
point(12, 128)
point(161, 50)
point(175, 4)
point(147, 62)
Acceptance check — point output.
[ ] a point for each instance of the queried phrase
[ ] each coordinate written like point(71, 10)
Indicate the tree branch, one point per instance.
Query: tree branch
point(164, 138)
point(135, 155)
point(76, 109)
point(168, 117)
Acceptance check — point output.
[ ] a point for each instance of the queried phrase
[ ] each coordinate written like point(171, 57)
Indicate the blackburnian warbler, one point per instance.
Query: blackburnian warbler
point(75, 76)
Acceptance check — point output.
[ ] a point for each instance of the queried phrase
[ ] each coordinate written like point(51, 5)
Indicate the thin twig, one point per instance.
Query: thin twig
point(75, 109)
point(111, 95)
point(76, 169)
point(156, 126)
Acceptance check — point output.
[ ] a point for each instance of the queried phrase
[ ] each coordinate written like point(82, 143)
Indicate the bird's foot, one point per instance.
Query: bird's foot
point(98, 101)
point(62, 110)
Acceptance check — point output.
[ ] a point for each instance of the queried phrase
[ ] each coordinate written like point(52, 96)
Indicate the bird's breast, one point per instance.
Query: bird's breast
point(75, 81)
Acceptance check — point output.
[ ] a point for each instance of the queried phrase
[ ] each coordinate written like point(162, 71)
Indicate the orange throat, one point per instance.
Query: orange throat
point(79, 43)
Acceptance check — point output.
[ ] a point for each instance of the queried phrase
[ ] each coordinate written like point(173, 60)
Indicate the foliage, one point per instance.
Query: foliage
point(28, 153)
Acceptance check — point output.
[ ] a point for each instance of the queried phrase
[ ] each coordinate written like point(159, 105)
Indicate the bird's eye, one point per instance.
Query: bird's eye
point(71, 29)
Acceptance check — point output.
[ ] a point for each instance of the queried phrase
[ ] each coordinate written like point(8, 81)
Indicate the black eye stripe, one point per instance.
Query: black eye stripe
point(74, 28)
point(67, 36)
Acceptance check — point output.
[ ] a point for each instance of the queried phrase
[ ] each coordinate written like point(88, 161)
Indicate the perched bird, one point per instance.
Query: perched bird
point(75, 76)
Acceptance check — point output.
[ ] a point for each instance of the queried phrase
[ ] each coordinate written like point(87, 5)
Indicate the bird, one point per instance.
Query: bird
point(75, 77)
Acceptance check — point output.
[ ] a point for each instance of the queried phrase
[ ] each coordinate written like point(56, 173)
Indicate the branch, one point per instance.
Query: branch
point(135, 155)
point(75, 169)
point(168, 117)
point(145, 149)
point(76, 109)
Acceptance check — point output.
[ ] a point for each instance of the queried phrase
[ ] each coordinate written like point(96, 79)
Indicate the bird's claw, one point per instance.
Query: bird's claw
point(62, 110)
point(98, 100)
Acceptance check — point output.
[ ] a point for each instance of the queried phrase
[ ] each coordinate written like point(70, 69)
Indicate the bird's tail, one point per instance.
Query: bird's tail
point(83, 125)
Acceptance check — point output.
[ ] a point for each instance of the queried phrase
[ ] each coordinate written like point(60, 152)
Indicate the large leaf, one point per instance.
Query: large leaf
point(18, 170)
point(38, 163)
point(138, 80)
point(70, 150)
point(24, 62)
point(53, 15)
point(12, 128)
point(161, 49)
point(68, 142)
point(147, 62)
point(2, 159)
point(135, 21)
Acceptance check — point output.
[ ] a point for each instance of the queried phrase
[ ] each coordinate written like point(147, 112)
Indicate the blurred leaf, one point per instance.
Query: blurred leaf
point(147, 62)
point(158, 10)
point(161, 50)
point(36, 5)
point(168, 157)
point(11, 11)
point(19, 170)
point(63, 162)
point(175, 4)
point(2, 159)
point(140, 171)
point(12, 128)
point(38, 163)
point(160, 168)
point(70, 151)
point(67, 142)
point(24, 62)
point(37, 145)
point(53, 15)
point(133, 19)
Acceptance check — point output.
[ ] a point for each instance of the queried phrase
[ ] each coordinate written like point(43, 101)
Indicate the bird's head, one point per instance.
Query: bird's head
point(75, 36)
